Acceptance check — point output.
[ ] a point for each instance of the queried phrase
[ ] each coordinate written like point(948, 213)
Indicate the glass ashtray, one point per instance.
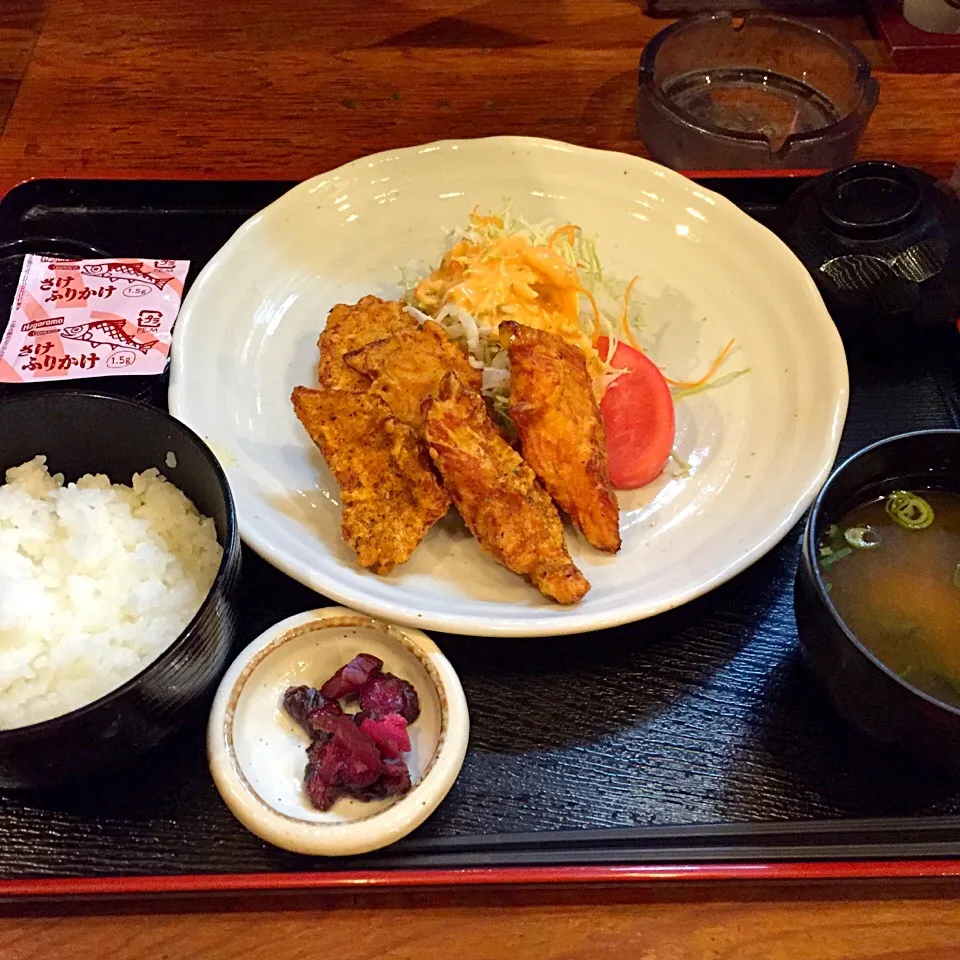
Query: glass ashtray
point(762, 92)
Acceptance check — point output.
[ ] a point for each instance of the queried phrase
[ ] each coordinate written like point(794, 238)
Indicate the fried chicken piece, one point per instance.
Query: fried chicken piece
point(561, 431)
point(497, 494)
point(389, 496)
point(407, 367)
point(351, 327)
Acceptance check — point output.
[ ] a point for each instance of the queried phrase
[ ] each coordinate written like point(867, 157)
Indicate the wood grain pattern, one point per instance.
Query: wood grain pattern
point(574, 925)
point(265, 90)
point(20, 23)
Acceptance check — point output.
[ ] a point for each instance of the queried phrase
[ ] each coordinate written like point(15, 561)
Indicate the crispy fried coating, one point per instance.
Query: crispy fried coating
point(407, 367)
point(497, 494)
point(389, 496)
point(351, 327)
point(561, 431)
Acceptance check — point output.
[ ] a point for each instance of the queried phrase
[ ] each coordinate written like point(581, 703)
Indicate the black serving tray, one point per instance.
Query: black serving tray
point(693, 738)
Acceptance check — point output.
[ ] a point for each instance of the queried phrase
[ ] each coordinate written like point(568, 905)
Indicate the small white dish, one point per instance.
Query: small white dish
point(257, 753)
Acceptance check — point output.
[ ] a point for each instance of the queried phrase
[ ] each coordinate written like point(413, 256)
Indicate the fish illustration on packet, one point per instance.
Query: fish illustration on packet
point(91, 318)
point(123, 270)
point(106, 333)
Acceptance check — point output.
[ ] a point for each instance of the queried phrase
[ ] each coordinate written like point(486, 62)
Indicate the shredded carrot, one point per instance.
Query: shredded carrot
point(687, 384)
point(568, 230)
point(596, 313)
point(625, 316)
point(479, 220)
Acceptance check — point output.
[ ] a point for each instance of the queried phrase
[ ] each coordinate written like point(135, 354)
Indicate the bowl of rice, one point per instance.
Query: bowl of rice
point(119, 559)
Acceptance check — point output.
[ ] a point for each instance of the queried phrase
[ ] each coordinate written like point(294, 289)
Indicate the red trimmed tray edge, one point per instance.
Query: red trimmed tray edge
point(359, 880)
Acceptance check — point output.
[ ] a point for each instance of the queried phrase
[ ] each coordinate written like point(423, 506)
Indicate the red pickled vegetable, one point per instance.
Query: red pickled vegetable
point(386, 694)
point(357, 755)
point(322, 794)
point(350, 679)
point(299, 701)
point(320, 723)
point(389, 734)
point(392, 782)
point(352, 759)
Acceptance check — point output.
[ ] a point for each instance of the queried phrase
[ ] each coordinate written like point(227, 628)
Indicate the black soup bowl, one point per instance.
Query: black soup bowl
point(83, 433)
point(863, 689)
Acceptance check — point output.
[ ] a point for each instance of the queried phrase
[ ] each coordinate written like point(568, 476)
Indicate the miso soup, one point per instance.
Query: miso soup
point(892, 568)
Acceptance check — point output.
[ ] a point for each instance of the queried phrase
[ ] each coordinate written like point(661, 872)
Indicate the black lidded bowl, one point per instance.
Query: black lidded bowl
point(864, 690)
point(83, 433)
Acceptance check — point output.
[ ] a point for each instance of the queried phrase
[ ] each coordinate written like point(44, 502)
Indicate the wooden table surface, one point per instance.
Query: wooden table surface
point(740, 923)
point(286, 89)
point(289, 88)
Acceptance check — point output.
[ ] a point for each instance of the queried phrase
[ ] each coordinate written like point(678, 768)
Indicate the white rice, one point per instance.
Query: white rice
point(96, 581)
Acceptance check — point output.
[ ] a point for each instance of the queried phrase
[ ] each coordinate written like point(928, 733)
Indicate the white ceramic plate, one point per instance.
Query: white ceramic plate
point(759, 448)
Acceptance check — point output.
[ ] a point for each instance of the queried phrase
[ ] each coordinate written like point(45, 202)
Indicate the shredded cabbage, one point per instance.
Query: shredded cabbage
point(495, 379)
point(417, 314)
point(682, 394)
point(478, 335)
point(480, 340)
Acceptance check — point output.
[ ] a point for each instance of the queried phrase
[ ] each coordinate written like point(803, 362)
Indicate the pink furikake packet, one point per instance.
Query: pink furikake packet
point(91, 318)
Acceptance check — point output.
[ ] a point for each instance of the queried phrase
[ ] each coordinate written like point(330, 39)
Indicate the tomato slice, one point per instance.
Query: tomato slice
point(638, 417)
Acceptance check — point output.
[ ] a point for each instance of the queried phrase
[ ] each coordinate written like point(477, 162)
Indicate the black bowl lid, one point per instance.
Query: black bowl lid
point(871, 200)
